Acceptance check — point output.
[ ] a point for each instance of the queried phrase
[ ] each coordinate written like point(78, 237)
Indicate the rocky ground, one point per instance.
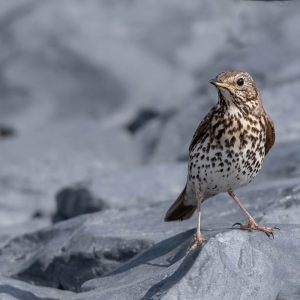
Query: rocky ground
point(98, 102)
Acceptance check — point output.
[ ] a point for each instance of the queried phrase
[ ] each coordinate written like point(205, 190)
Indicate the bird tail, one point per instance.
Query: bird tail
point(178, 210)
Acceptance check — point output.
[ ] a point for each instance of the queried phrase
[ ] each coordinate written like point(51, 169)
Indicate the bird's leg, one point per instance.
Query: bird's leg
point(198, 239)
point(251, 222)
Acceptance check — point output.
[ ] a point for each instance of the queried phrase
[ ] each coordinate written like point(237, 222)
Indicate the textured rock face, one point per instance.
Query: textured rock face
point(248, 267)
point(70, 253)
point(232, 264)
point(11, 289)
point(98, 103)
point(67, 254)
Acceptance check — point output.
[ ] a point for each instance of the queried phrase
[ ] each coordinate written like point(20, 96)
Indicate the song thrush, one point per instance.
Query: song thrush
point(227, 149)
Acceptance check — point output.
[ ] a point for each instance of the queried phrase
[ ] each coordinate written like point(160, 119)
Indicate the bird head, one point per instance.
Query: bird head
point(237, 88)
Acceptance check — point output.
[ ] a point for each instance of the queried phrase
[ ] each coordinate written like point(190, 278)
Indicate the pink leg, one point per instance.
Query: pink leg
point(251, 222)
point(198, 239)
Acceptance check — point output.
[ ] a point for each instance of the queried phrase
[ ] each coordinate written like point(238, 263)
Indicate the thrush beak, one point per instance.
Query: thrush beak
point(216, 82)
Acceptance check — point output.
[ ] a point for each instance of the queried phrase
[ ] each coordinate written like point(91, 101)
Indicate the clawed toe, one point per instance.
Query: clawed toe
point(237, 223)
point(269, 234)
point(267, 230)
point(253, 225)
point(198, 240)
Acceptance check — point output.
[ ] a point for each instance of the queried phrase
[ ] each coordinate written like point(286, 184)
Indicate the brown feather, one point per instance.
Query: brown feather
point(179, 211)
point(202, 129)
point(270, 135)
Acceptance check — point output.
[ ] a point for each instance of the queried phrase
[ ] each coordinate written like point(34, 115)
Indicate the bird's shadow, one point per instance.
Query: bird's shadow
point(158, 250)
point(158, 289)
point(189, 257)
point(176, 249)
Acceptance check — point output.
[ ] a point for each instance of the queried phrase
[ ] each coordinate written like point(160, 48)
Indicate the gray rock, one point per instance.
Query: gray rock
point(282, 296)
point(247, 267)
point(11, 231)
point(93, 243)
point(98, 243)
point(53, 256)
point(11, 289)
point(76, 200)
point(233, 264)
point(146, 272)
point(161, 269)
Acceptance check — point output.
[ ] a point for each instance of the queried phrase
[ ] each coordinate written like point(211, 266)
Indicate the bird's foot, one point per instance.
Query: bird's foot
point(198, 240)
point(253, 225)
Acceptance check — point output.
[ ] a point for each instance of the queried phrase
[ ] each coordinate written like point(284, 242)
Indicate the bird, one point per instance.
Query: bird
point(227, 150)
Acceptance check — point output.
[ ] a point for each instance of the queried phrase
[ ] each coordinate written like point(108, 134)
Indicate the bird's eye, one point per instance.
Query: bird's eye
point(240, 81)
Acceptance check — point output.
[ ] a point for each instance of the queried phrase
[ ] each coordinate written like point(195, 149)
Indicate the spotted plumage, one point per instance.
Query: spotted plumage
point(227, 149)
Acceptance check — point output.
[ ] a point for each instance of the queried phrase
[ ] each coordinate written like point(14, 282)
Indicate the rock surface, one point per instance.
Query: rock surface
point(76, 200)
point(232, 264)
point(101, 242)
point(11, 289)
point(98, 101)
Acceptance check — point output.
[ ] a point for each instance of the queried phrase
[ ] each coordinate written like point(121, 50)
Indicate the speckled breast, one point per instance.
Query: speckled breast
point(229, 156)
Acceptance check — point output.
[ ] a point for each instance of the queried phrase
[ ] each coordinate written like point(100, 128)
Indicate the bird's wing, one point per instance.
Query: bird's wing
point(202, 129)
point(270, 136)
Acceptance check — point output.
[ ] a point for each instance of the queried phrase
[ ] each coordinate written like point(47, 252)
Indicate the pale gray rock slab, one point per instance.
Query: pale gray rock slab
point(234, 263)
point(12, 289)
point(249, 266)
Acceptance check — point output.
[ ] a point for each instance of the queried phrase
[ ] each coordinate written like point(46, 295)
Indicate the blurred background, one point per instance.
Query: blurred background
point(99, 99)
